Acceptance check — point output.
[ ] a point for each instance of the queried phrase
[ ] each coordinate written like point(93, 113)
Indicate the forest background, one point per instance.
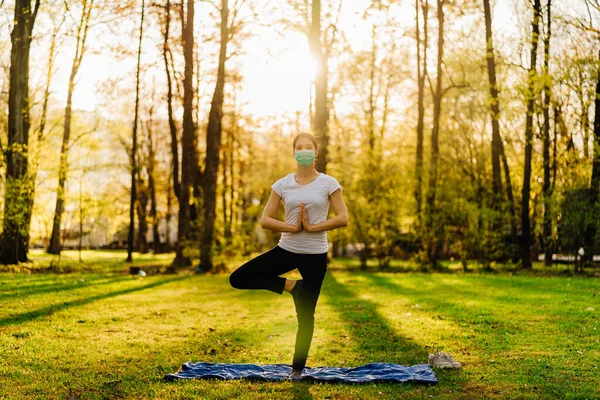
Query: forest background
point(462, 131)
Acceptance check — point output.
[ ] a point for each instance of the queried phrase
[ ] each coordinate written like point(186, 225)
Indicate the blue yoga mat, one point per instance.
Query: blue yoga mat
point(373, 372)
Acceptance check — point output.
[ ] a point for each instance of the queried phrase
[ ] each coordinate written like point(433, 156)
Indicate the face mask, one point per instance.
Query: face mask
point(304, 157)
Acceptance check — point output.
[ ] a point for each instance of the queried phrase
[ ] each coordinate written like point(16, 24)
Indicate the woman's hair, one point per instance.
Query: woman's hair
point(306, 135)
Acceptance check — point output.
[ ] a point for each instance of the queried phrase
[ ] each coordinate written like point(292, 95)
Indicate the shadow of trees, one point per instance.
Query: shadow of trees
point(51, 309)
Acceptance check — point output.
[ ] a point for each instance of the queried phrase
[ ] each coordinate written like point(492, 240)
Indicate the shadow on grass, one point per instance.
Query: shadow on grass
point(16, 282)
point(447, 303)
point(441, 296)
point(28, 290)
point(396, 266)
point(373, 337)
point(49, 310)
point(512, 293)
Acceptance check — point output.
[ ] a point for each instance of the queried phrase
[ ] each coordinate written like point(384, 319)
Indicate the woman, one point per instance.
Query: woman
point(306, 195)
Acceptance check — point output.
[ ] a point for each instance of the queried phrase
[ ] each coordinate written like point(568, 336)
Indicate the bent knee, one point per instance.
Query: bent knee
point(235, 281)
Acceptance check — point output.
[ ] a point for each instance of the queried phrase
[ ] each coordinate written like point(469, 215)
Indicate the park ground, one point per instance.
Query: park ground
point(98, 333)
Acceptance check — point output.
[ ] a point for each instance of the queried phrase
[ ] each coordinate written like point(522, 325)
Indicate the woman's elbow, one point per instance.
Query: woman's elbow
point(345, 221)
point(264, 222)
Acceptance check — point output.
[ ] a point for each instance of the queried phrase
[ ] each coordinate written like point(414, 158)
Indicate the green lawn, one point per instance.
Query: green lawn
point(111, 335)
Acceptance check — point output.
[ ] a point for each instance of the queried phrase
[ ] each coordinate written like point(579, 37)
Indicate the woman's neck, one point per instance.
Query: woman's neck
point(306, 172)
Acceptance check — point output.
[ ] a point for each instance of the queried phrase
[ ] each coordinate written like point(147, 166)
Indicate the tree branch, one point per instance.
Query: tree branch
point(84, 134)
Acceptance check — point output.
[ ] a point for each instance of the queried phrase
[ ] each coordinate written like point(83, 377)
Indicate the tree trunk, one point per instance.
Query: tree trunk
point(141, 205)
point(228, 185)
point(320, 127)
point(547, 241)
point(134, 166)
point(17, 196)
point(224, 192)
point(80, 217)
point(228, 232)
point(213, 146)
point(510, 199)
point(189, 162)
point(152, 183)
point(526, 190)
point(82, 29)
point(497, 143)
point(494, 108)
point(421, 70)
point(432, 224)
point(42, 128)
point(168, 244)
point(172, 126)
point(595, 181)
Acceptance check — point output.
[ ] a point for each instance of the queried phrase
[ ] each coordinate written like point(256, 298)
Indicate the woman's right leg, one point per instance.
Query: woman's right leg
point(262, 272)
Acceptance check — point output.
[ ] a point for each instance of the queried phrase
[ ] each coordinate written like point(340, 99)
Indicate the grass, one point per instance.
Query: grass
point(101, 334)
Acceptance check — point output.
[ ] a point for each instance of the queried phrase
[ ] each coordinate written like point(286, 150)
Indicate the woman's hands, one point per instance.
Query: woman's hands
point(305, 223)
point(302, 221)
point(298, 226)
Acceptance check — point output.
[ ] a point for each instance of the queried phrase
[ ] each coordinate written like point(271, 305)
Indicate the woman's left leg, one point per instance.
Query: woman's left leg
point(262, 272)
point(312, 268)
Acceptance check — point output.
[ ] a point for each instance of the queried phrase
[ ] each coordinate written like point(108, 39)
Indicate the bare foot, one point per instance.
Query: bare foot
point(289, 285)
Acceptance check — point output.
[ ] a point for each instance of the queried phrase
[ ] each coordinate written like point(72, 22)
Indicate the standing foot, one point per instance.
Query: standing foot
point(296, 374)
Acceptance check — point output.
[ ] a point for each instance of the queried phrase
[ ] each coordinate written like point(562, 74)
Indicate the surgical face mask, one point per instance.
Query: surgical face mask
point(304, 157)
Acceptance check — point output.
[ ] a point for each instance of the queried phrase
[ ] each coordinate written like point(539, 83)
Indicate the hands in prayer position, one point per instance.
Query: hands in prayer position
point(302, 221)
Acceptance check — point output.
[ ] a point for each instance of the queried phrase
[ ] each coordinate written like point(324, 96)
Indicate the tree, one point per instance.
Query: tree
point(18, 185)
point(547, 188)
point(43, 118)
point(320, 127)
point(432, 224)
point(421, 72)
point(151, 168)
point(134, 140)
point(82, 30)
point(174, 172)
point(494, 107)
point(595, 180)
point(213, 146)
point(189, 157)
point(498, 152)
point(530, 97)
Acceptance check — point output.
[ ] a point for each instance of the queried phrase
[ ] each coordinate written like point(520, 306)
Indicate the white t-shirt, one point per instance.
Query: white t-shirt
point(315, 196)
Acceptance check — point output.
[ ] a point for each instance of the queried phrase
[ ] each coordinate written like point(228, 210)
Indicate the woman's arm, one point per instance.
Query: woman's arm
point(340, 219)
point(268, 221)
